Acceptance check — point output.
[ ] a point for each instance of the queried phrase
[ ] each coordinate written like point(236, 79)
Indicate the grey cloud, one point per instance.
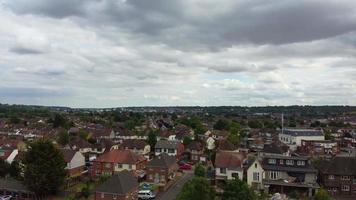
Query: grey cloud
point(20, 50)
point(172, 22)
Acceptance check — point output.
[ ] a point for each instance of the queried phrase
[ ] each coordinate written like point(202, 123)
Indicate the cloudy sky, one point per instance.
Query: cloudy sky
point(107, 53)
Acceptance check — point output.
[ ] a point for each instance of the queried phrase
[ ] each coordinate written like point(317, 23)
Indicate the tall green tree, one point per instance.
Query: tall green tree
point(152, 139)
point(198, 189)
point(63, 138)
point(187, 140)
point(59, 121)
point(238, 190)
point(4, 168)
point(199, 171)
point(44, 171)
point(222, 124)
point(322, 194)
point(14, 169)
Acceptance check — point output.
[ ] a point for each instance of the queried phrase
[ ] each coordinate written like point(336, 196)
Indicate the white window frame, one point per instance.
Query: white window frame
point(289, 162)
point(301, 163)
point(345, 188)
point(256, 175)
point(331, 177)
point(272, 161)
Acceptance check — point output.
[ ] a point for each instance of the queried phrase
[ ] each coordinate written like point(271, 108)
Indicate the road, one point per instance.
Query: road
point(174, 190)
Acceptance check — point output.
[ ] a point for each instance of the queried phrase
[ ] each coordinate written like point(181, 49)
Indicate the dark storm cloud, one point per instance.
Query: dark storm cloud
point(192, 24)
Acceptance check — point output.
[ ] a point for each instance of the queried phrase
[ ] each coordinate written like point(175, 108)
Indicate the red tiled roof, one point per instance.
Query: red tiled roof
point(120, 156)
point(229, 160)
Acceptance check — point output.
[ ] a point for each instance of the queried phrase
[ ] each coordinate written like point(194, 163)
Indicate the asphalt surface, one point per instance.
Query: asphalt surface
point(174, 190)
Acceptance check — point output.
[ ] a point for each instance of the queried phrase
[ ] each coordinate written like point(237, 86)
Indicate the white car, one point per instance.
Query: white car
point(146, 194)
point(6, 197)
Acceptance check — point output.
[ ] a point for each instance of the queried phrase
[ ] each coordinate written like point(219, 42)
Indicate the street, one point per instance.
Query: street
point(174, 190)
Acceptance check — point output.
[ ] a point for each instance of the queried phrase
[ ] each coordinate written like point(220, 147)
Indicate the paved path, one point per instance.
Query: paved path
point(174, 190)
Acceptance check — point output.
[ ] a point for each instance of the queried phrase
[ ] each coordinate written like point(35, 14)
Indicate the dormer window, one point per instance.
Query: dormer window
point(271, 161)
point(331, 177)
point(345, 178)
point(289, 162)
point(300, 162)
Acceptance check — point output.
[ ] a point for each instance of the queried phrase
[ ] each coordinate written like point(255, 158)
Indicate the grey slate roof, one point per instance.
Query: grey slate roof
point(120, 183)
point(339, 166)
point(166, 144)
point(13, 185)
point(162, 161)
point(303, 132)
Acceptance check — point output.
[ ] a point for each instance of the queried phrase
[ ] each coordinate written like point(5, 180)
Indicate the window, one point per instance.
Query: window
point(114, 196)
point(345, 188)
point(256, 176)
point(107, 165)
point(289, 162)
point(255, 165)
point(235, 175)
point(119, 165)
point(345, 178)
point(273, 175)
point(130, 166)
point(170, 150)
point(271, 161)
point(331, 177)
point(222, 170)
point(300, 162)
point(354, 181)
point(281, 162)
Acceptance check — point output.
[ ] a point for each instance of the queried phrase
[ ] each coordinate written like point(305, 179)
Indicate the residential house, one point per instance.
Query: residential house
point(75, 162)
point(317, 148)
point(274, 149)
point(229, 165)
point(172, 148)
point(338, 176)
point(293, 137)
point(226, 145)
point(117, 160)
point(283, 174)
point(195, 152)
point(8, 153)
point(161, 169)
point(121, 186)
point(140, 147)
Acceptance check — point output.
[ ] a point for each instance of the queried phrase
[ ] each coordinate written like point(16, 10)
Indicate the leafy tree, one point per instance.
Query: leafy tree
point(152, 139)
point(63, 138)
point(14, 119)
point(199, 171)
point(238, 190)
point(322, 194)
point(187, 140)
point(44, 167)
point(4, 167)
point(222, 124)
point(14, 169)
point(254, 124)
point(59, 121)
point(197, 188)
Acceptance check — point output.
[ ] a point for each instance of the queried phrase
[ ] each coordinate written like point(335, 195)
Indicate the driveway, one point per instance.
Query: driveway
point(174, 190)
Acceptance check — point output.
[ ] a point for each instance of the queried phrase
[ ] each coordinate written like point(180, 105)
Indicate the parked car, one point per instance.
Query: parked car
point(185, 166)
point(6, 197)
point(146, 194)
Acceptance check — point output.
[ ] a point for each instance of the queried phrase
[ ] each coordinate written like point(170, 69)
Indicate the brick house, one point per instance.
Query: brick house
point(283, 174)
point(117, 160)
point(229, 165)
point(138, 146)
point(161, 169)
point(338, 176)
point(319, 148)
point(75, 162)
point(172, 148)
point(121, 186)
point(195, 151)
